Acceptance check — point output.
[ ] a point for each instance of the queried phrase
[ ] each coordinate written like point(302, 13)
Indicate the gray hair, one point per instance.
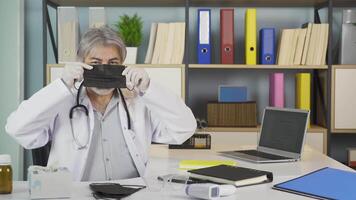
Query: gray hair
point(100, 36)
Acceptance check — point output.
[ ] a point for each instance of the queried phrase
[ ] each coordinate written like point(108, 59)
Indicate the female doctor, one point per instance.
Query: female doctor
point(101, 146)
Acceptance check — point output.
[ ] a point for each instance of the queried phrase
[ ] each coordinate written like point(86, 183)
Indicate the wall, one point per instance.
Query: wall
point(203, 83)
point(11, 75)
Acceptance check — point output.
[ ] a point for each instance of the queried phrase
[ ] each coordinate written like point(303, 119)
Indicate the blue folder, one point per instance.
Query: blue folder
point(325, 183)
point(204, 36)
point(267, 46)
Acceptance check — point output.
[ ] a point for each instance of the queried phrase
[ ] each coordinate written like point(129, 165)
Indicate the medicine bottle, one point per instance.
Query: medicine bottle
point(5, 174)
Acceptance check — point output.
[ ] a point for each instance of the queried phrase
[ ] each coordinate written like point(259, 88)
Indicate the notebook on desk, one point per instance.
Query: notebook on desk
point(325, 183)
point(281, 138)
point(238, 176)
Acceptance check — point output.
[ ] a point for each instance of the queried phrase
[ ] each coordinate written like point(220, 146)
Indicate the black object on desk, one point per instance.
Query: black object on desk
point(238, 176)
point(113, 190)
point(197, 141)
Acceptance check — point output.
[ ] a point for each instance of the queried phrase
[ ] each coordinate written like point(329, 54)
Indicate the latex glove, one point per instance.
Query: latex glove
point(73, 71)
point(137, 79)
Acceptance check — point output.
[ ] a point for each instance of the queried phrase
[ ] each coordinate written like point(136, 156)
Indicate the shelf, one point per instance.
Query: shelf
point(138, 65)
point(258, 3)
point(312, 129)
point(202, 3)
point(238, 66)
point(158, 65)
point(119, 3)
point(350, 66)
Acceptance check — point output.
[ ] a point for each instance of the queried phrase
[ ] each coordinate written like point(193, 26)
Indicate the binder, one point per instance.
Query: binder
point(68, 34)
point(227, 36)
point(276, 90)
point(250, 36)
point(303, 91)
point(97, 17)
point(267, 46)
point(204, 40)
point(325, 183)
point(238, 176)
point(151, 43)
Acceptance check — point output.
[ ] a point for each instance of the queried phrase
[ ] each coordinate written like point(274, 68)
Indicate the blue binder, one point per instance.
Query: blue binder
point(204, 36)
point(325, 183)
point(267, 46)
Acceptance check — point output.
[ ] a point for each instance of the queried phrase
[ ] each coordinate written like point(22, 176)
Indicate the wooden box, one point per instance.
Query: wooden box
point(241, 114)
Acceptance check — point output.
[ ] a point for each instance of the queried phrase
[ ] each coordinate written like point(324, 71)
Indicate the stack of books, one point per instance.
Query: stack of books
point(166, 43)
point(303, 46)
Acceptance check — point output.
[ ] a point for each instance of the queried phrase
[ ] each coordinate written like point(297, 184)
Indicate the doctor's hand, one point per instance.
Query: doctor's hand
point(73, 71)
point(137, 79)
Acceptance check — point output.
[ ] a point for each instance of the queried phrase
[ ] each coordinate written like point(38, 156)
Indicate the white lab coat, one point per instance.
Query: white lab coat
point(157, 116)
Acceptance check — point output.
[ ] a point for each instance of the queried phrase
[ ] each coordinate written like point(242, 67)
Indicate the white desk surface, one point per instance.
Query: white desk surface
point(164, 161)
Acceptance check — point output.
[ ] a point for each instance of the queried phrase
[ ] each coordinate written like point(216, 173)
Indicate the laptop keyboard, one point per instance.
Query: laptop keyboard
point(263, 155)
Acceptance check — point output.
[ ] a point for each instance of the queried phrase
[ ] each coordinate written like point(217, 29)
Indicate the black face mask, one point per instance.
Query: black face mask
point(113, 190)
point(105, 76)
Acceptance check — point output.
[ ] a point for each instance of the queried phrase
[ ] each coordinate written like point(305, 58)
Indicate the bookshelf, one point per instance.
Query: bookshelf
point(188, 65)
point(262, 67)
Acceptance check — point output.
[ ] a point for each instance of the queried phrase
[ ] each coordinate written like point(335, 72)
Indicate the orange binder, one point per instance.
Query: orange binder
point(227, 36)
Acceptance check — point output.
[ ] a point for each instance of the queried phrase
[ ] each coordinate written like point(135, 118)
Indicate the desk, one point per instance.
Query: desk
point(164, 161)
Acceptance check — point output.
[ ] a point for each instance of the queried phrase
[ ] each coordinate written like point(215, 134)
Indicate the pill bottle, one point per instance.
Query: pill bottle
point(5, 174)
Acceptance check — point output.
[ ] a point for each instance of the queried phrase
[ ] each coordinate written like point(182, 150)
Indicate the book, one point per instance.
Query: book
point(284, 48)
point(160, 43)
point(238, 176)
point(325, 183)
point(306, 43)
point(179, 39)
point(151, 43)
point(68, 34)
point(299, 47)
point(198, 164)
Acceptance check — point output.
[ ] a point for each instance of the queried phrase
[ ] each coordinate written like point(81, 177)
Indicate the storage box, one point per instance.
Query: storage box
point(230, 93)
point(241, 114)
point(49, 183)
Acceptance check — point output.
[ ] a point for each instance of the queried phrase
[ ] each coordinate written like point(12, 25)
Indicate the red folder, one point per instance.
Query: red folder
point(227, 36)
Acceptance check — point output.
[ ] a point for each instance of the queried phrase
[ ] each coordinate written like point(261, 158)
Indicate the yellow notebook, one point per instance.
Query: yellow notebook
point(303, 84)
point(197, 164)
point(250, 36)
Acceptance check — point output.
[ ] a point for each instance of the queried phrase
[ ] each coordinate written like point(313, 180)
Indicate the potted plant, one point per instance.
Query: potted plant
point(130, 30)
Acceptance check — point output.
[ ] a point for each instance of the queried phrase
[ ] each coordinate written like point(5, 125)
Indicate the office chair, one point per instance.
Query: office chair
point(40, 155)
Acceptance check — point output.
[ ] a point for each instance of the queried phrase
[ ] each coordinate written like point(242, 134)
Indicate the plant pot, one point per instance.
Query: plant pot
point(131, 55)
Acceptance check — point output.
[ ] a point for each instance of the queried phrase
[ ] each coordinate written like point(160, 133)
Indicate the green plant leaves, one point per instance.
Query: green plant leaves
point(130, 30)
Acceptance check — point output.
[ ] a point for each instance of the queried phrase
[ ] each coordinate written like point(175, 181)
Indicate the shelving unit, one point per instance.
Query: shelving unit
point(262, 67)
point(188, 67)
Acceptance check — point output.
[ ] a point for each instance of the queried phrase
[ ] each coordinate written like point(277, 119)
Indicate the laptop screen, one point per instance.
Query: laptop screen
point(283, 130)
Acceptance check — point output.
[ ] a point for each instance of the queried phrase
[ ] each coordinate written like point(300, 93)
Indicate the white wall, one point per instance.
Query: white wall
point(11, 75)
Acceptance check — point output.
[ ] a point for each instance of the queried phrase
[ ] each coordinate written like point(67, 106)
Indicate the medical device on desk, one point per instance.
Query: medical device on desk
point(49, 182)
point(101, 76)
point(209, 190)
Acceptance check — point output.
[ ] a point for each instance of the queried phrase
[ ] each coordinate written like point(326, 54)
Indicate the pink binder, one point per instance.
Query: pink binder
point(276, 90)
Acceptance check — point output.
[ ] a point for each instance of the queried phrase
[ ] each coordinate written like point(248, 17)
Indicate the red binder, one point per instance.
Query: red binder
point(227, 36)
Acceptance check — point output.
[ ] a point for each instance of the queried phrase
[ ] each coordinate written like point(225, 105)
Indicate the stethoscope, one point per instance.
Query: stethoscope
point(83, 108)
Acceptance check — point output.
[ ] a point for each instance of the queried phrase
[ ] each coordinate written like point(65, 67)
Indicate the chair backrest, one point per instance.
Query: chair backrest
point(40, 155)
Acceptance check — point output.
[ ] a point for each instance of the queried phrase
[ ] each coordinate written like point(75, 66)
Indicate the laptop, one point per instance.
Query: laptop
point(281, 138)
